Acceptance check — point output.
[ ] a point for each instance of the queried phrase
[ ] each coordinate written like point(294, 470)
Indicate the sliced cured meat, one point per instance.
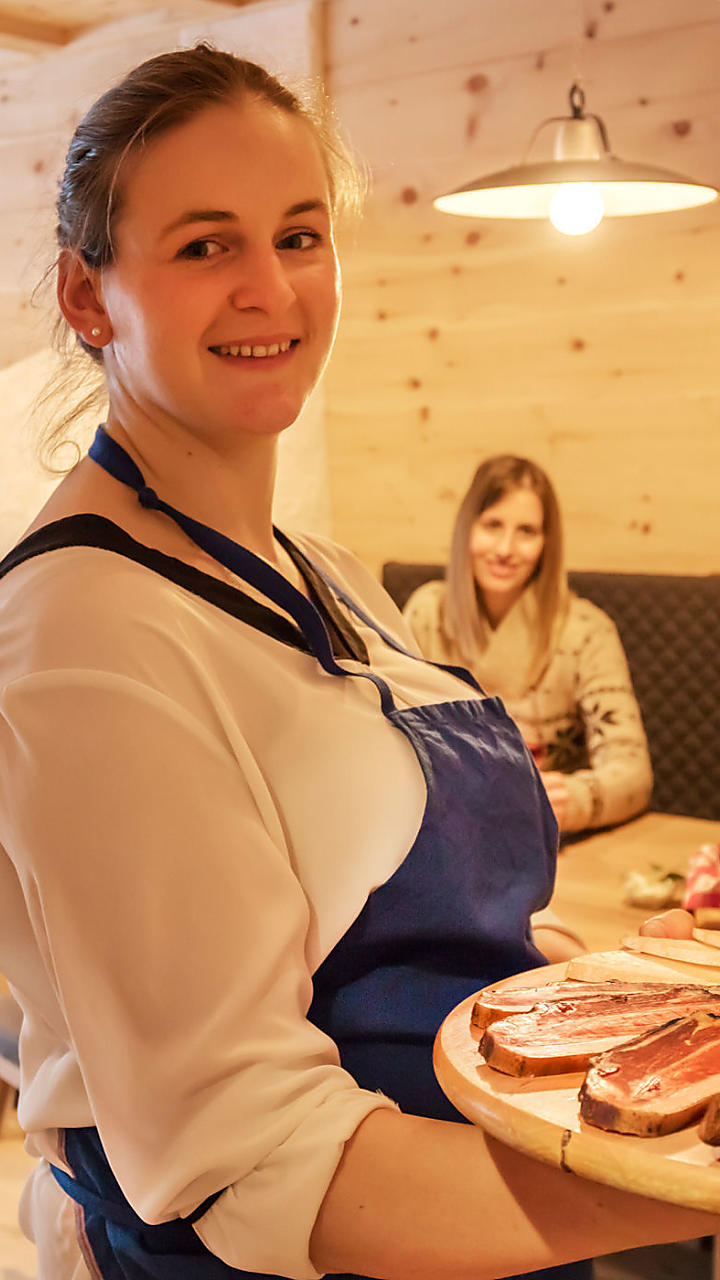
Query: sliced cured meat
point(566, 1034)
point(500, 1002)
point(658, 1082)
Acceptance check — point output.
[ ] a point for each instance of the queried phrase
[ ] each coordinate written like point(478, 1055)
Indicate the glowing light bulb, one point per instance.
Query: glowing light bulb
point(576, 208)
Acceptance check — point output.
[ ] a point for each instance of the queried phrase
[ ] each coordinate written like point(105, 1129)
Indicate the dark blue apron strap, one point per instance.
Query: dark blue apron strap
point(121, 1214)
point(111, 456)
point(461, 673)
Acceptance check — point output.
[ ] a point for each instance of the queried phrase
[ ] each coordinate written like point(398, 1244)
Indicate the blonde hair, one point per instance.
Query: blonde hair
point(464, 610)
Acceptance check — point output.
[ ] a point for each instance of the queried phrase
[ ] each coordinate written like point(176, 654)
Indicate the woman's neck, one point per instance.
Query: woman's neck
point(497, 606)
point(229, 490)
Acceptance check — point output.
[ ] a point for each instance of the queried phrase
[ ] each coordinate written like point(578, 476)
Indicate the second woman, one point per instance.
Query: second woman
point(556, 660)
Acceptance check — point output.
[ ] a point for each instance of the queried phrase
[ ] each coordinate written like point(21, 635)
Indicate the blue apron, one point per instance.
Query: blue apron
point(453, 917)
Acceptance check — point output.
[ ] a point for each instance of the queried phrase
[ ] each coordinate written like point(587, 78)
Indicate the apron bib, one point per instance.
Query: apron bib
point(453, 917)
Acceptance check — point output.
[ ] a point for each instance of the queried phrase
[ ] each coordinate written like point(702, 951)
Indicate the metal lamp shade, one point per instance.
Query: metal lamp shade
point(525, 191)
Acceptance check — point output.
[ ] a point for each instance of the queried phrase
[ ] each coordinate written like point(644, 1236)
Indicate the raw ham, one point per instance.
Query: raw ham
point(500, 1002)
point(657, 1082)
point(564, 1034)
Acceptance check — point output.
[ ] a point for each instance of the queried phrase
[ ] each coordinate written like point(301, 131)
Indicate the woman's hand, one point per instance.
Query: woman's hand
point(556, 788)
point(669, 924)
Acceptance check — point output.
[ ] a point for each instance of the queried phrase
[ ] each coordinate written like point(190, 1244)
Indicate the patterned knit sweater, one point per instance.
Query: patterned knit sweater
point(580, 717)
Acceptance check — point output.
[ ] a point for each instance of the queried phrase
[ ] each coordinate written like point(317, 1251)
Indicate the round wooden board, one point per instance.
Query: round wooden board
point(540, 1116)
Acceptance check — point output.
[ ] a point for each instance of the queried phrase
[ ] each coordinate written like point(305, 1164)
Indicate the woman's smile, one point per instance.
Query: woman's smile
point(253, 350)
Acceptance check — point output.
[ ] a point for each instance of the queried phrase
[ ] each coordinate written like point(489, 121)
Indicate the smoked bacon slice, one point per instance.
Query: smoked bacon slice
point(566, 1034)
point(501, 1002)
point(658, 1082)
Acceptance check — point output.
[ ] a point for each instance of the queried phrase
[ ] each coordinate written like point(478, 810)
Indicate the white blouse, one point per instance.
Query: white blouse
point(192, 813)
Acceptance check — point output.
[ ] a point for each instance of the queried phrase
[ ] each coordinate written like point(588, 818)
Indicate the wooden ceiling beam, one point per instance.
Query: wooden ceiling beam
point(18, 32)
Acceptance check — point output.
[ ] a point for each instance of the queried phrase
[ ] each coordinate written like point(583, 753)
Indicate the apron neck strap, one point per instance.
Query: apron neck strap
point(108, 454)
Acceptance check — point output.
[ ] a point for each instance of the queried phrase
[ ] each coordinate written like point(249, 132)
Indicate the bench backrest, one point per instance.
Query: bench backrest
point(670, 627)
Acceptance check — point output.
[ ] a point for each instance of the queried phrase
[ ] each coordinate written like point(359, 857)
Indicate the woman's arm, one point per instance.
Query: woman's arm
point(439, 1201)
point(173, 930)
point(557, 941)
point(618, 783)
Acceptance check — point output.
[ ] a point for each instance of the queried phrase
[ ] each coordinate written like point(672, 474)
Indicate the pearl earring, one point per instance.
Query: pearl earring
point(96, 332)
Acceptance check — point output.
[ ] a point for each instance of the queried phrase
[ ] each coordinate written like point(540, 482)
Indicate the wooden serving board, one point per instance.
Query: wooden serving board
point(540, 1117)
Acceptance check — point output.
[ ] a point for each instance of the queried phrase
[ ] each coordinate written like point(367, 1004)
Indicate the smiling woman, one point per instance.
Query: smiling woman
point(253, 848)
point(556, 660)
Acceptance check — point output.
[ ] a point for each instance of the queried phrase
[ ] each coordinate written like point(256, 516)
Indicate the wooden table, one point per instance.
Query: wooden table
point(589, 887)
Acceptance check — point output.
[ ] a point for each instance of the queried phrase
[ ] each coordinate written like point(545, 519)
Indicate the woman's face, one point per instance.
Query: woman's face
point(224, 296)
point(506, 542)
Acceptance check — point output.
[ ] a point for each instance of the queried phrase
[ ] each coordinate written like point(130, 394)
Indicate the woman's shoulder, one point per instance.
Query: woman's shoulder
point(585, 615)
point(69, 603)
point(427, 599)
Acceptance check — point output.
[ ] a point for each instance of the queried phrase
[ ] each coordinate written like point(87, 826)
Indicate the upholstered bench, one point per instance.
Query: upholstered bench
point(670, 627)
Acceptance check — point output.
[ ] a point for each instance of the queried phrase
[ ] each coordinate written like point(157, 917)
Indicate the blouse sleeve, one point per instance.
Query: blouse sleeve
point(173, 930)
point(618, 783)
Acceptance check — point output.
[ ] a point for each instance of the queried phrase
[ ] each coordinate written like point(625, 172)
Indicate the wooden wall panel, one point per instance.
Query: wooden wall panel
point(35, 128)
point(460, 338)
point(370, 40)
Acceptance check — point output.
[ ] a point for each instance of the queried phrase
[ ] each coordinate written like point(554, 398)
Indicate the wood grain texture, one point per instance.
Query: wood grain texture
point(589, 893)
point(47, 23)
point(540, 1117)
point(462, 337)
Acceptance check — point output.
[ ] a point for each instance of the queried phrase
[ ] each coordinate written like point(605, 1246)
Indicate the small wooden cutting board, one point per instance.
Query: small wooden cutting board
point(540, 1117)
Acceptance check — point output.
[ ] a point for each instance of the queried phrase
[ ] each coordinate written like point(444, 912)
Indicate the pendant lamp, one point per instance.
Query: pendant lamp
point(581, 184)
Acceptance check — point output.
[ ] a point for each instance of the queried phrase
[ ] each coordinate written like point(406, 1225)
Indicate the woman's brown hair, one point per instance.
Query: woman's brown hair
point(465, 615)
point(155, 97)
